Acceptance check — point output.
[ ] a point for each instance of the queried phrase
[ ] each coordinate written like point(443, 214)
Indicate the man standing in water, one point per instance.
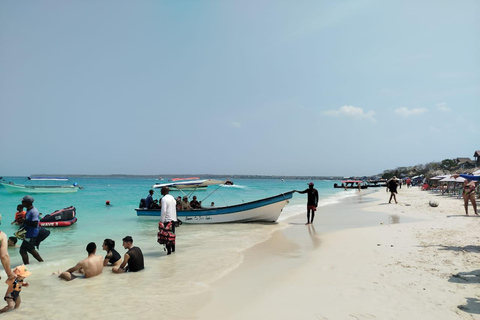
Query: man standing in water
point(31, 225)
point(312, 201)
point(169, 214)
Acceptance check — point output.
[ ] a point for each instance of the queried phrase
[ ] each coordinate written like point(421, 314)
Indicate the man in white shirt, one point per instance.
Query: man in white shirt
point(169, 213)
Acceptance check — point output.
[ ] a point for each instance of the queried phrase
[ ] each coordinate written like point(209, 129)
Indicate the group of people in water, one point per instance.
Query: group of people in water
point(93, 264)
point(89, 267)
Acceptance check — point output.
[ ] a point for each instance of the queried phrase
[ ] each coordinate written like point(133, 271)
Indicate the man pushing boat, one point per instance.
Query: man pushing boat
point(312, 201)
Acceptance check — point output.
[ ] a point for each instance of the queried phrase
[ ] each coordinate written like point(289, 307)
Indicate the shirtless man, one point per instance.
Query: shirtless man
point(90, 267)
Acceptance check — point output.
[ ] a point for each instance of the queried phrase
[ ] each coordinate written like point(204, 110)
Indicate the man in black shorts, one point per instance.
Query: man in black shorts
point(312, 201)
point(133, 259)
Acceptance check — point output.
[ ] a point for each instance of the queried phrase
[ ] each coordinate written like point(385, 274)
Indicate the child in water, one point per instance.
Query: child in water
point(19, 215)
point(12, 297)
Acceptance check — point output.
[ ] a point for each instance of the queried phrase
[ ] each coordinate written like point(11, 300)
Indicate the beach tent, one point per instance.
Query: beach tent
point(450, 179)
point(441, 177)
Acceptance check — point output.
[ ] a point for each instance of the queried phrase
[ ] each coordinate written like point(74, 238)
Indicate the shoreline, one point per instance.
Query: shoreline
point(389, 270)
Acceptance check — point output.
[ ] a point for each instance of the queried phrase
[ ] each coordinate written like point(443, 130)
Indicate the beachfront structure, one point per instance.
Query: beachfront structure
point(465, 163)
point(476, 155)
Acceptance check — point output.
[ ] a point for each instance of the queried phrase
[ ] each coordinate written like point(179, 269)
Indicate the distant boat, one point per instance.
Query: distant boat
point(41, 185)
point(377, 183)
point(351, 184)
point(193, 183)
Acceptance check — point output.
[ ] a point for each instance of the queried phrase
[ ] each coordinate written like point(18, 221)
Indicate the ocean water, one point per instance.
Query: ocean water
point(204, 252)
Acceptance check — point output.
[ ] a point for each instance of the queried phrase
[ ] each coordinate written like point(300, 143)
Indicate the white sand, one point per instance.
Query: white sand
point(390, 271)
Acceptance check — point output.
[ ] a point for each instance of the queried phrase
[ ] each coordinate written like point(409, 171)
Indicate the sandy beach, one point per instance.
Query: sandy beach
point(417, 262)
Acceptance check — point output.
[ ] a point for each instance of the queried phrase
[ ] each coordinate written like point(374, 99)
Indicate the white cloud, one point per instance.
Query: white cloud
point(236, 124)
point(352, 112)
point(443, 107)
point(405, 112)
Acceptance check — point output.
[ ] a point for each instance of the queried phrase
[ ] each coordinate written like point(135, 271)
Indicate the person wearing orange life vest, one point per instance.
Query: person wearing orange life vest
point(19, 215)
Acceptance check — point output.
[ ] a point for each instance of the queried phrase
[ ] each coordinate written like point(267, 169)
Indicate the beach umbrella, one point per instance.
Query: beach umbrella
point(476, 173)
point(440, 177)
point(450, 179)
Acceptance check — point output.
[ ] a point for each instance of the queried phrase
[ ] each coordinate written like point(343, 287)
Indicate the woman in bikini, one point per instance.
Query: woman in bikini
point(469, 194)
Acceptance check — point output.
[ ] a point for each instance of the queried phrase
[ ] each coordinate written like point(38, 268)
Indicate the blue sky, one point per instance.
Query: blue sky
point(237, 87)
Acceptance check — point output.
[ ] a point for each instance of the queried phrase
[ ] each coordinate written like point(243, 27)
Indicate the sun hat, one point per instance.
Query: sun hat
point(22, 271)
point(28, 199)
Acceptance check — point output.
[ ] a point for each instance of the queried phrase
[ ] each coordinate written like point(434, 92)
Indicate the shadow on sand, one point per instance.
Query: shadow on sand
point(472, 306)
point(466, 277)
point(469, 248)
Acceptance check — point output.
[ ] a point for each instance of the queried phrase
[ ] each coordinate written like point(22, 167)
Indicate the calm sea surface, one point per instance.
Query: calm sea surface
point(204, 252)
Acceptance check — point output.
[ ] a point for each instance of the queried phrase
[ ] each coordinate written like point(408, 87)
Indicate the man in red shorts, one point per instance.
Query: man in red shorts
point(312, 201)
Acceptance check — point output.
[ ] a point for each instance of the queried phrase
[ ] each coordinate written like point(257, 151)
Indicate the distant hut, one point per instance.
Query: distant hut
point(476, 155)
point(465, 163)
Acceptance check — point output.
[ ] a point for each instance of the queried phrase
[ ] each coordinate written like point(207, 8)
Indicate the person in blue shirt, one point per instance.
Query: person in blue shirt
point(31, 226)
point(149, 200)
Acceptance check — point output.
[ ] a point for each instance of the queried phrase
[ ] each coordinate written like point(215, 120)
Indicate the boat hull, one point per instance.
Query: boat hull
point(58, 223)
point(17, 188)
point(264, 210)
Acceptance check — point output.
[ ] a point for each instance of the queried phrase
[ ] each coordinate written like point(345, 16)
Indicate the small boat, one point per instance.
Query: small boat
point(377, 183)
point(351, 184)
point(60, 218)
point(190, 183)
point(263, 210)
point(41, 185)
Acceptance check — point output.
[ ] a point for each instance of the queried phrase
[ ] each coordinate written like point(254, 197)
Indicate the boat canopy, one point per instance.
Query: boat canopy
point(184, 179)
point(48, 178)
point(352, 181)
point(193, 184)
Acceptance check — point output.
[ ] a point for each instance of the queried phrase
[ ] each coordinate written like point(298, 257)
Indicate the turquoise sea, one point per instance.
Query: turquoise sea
point(204, 252)
point(124, 194)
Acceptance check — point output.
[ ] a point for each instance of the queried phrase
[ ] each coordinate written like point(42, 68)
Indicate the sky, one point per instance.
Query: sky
point(307, 88)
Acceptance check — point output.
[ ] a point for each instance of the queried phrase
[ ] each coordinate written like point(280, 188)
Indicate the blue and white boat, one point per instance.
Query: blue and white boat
point(263, 210)
point(41, 185)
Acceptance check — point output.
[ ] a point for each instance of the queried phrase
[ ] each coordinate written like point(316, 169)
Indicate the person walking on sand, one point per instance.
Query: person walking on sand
point(469, 187)
point(90, 267)
point(312, 201)
point(392, 185)
point(133, 259)
point(31, 225)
